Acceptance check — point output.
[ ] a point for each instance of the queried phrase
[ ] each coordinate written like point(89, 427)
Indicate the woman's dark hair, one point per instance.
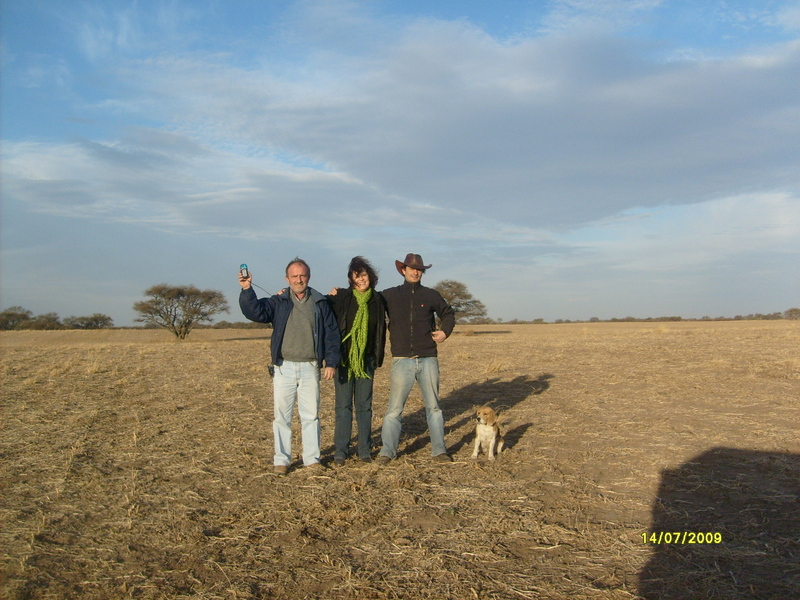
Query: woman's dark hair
point(359, 264)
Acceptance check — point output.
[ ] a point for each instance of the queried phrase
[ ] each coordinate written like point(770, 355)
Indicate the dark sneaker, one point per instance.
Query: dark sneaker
point(280, 470)
point(339, 462)
point(443, 458)
point(383, 460)
point(366, 459)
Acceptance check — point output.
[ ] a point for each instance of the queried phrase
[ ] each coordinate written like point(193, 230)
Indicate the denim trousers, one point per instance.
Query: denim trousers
point(296, 382)
point(405, 371)
point(353, 392)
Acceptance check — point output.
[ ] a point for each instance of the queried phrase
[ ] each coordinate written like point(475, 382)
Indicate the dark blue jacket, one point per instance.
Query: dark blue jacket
point(276, 309)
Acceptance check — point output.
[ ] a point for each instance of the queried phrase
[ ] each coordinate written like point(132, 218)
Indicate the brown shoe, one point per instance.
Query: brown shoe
point(383, 460)
point(314, 466)
point(280, 470)
point(443, 458)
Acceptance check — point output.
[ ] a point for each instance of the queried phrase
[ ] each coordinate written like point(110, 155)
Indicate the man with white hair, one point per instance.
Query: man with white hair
point(305, 339)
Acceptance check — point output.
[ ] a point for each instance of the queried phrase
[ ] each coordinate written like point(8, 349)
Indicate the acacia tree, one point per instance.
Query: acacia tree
point(468, 309)
point(12, 318)
point(49, 320)
point(96, 321)
point(179, 308)
point(792, 314)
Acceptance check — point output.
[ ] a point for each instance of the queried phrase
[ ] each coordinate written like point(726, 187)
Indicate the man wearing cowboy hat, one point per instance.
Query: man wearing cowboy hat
point(412, 309)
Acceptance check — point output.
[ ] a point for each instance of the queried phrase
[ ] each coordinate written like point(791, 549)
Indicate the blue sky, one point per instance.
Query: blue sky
point(564, 159)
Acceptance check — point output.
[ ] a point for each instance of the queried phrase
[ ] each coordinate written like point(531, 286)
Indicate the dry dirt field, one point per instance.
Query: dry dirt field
point(134, 466)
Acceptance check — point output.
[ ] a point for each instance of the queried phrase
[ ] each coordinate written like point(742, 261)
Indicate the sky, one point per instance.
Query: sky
point(565, 159)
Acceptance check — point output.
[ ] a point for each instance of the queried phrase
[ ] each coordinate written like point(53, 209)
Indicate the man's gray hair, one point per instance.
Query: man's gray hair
point(298, 261)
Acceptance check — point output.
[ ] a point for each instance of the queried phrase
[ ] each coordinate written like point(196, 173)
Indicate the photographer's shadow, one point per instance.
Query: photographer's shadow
point(741, 508)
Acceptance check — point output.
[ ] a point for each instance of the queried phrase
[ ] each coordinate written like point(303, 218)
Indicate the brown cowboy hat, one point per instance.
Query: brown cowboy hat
point(412, 260)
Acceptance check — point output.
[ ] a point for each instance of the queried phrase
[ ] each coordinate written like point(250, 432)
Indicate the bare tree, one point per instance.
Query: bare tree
point(179, 308)
point(467, 308)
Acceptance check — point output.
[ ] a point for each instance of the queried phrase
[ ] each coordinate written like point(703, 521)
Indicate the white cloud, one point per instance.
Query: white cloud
point(571, 15)
point(680, 239)
point(788, 17)
point(712, 258)
point(575, 163)
point(450, 116)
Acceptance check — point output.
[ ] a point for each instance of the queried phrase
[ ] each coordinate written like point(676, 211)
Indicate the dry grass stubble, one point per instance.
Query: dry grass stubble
point(134, 466)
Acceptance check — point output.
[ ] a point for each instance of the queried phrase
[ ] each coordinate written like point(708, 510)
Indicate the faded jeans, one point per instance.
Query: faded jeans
point(296, 382)
point(405, 371)
point(353, 393)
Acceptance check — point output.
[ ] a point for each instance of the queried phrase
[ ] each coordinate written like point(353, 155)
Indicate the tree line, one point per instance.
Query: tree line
point(179, 309)
point(791, 314)
point(17, 317)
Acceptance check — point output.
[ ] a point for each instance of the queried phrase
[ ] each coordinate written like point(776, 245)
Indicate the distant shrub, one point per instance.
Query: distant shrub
point(12, 318)
point(45, 322)
point(96, 321)
point(17, 317)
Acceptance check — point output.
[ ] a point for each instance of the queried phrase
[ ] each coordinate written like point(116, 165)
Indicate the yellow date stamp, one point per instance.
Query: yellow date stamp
point(681, 537)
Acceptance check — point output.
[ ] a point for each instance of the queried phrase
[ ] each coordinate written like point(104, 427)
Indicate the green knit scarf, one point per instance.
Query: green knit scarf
point(358, 336)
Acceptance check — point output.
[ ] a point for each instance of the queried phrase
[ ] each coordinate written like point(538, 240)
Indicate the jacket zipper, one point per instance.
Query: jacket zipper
point(413, 291)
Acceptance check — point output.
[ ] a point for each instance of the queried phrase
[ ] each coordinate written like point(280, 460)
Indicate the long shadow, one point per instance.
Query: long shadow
point(510, 437)
point(496, 332)
point(746, 506)
point(459, 407)
point(513, 436)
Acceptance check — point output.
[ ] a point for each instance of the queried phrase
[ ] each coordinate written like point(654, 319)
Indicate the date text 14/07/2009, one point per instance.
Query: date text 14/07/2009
point(681, 537)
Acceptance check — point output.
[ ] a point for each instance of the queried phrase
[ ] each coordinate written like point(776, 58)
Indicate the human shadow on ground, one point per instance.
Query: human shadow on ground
point(459, 408)
point(496, 332)
point(510, 438)
point(741, 508)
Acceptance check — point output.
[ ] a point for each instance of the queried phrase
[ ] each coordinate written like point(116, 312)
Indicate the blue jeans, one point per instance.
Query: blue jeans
point(296, 382)
point(405, 371)
point(349, 392)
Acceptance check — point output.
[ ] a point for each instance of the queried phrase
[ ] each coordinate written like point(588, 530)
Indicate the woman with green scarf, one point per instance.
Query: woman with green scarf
point(361, 313)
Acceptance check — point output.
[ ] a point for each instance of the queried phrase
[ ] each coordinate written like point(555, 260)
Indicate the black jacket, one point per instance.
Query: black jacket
point(345, 307)
point(412, 310)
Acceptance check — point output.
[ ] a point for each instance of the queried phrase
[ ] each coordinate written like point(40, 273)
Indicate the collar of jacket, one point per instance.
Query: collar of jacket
point(315, 295)
point(412, 286)
point(372, 298)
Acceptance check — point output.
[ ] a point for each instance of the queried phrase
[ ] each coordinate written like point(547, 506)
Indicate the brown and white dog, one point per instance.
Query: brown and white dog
point(487, 433)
